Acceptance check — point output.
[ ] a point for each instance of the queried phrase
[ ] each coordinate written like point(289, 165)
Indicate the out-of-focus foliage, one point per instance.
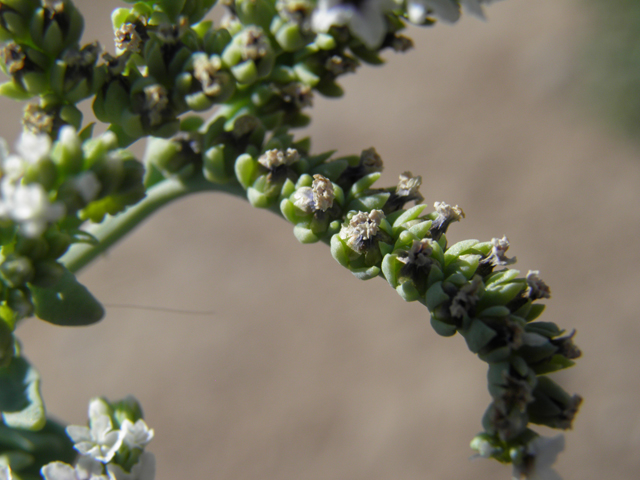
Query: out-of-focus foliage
point(613, 62)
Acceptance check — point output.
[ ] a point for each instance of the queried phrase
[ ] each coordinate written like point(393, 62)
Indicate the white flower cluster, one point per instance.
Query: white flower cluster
point(98, 444)
point(366, 18)
point(26, 204)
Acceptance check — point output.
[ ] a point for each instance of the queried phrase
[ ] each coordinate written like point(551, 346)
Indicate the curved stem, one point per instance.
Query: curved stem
point(114, 228)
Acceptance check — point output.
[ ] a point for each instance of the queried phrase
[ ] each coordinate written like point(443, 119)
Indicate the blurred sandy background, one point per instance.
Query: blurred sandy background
point(300, 371)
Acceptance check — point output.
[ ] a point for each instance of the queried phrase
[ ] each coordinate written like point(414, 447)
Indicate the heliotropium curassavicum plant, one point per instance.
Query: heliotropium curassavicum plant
point(67, 195)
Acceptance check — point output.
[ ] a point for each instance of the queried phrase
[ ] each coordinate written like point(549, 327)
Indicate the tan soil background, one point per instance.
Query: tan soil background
point(300, 371)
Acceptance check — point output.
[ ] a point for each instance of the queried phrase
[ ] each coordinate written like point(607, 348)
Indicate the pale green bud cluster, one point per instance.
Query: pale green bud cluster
point(259, 69)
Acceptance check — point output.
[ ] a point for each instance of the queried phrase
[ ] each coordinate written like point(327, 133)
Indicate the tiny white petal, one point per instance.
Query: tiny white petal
point(98, 407)
point(136, 435)
point(58, 471)
point(5, 472)
point(78, 433)
point(87, 185)
point(32, 147)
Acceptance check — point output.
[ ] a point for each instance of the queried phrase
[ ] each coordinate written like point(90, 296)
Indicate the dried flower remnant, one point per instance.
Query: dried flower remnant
point(407, 190)
point(297, 94)
point(446, 214)
point(362, 229)
point(339, 65)
point(37, 120)
point(128, 38)
point(156, 102)
point(466, 299)
point(497, 256)
point(296, 11)
point(317, 198)
point(536, 288)
point(517, 393)
point(371, 161)
point(13, 57)
point(401, 43)
point(206, 71)
point(254, 44)
point(566, 347)
point(272, 159)
point(418, 256)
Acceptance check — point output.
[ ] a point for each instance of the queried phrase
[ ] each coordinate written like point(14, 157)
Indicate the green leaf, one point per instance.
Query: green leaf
point(67, 303)
point(20, 400)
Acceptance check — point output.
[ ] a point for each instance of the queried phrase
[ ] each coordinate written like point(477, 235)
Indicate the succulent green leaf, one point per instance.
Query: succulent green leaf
point(478, 335)
point(20, 400)
point(556, 363)
point(442, 329)
point(435, 296)
point(67, 303)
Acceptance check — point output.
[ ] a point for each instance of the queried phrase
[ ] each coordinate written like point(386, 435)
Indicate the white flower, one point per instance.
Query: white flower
point(445, 10)
point(145, 469)
point(541, 454)
point(100, 441)
point(365, 18)
point(5, 472)
point(136, 435)
point(87, 185)
point(86, 469)
point(29, 206)
point(32, 147)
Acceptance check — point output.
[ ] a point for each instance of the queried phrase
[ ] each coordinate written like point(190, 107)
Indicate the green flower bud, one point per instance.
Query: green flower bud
point(16, 270)
point(127, 409)
point(56, 26)
point(19, 301)
point(292, 26)
point(215, 163)
point(255, 12)
point(15, 16)
point(207, 83)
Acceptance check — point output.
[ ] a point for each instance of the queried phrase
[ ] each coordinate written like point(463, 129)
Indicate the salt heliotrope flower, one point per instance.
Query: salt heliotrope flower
point(365, 18)
point(446, 10)
point(87, 468)
point(26, 204)
point(540, 454)
point(99, 440)
point(536, 288)
point(136, 435)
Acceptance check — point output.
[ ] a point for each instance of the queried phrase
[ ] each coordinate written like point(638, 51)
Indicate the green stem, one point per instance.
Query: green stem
point(114, 228)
